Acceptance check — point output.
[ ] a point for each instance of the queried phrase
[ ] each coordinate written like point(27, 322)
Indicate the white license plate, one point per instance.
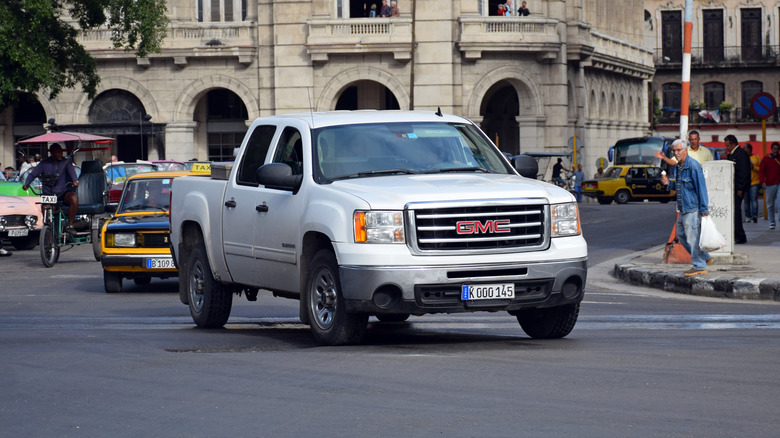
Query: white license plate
point(159, 263)
point(20, 232)
point(48, 199)
point(474, 292)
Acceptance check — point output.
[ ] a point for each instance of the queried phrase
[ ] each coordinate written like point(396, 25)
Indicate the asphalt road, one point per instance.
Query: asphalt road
point(78, 362)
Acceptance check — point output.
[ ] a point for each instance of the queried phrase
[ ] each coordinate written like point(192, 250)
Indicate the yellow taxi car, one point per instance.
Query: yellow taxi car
point(630, 182)
point(135, 240)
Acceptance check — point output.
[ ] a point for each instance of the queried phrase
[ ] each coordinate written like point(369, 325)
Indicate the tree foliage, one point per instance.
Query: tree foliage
point(39, 47)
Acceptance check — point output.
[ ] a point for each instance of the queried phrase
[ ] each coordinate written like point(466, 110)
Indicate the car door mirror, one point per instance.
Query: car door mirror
point(526, 166)
point(278, 176)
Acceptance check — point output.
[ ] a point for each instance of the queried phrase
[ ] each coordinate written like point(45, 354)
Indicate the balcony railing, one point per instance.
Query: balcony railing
point(736, 116)
point(508, 34)
point(359, 35)
point(721, 56)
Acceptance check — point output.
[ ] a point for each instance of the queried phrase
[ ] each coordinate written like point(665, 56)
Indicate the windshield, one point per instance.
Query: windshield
point(171, 165)
point(638, 153)
point(117, 173)
point(147, 194)
point(365, 150)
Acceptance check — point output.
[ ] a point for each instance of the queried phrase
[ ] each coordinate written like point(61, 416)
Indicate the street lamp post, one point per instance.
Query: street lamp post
point(143, 117)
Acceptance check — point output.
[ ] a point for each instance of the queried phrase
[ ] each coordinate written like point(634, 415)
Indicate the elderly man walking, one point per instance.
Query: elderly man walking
point(692, 205)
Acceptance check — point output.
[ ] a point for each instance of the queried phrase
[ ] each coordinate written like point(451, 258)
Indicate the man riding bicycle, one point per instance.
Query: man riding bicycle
point(56, 174)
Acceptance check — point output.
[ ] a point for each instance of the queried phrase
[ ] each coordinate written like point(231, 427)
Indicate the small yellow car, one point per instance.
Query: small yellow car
point(629, 182)
point(135, 242)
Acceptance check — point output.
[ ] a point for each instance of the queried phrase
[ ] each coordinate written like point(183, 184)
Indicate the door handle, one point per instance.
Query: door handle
point(230, 204)
point(262, 208)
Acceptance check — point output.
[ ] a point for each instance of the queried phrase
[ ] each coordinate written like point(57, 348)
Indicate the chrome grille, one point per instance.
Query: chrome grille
point(15, 220)
point(496, 226)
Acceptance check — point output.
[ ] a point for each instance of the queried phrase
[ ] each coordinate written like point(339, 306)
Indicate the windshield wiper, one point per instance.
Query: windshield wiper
point(387, 172)
point(463, 169)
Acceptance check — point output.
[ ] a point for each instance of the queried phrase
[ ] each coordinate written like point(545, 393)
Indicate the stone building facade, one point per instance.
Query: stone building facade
point(735, 54)
point(571, 68)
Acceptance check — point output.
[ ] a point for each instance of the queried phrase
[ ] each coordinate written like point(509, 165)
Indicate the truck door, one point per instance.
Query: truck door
point(277, 237)
point(238, 220)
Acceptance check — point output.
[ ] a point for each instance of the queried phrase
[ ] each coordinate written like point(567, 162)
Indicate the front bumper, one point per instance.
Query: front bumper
point(137, 263)
point(436, 289)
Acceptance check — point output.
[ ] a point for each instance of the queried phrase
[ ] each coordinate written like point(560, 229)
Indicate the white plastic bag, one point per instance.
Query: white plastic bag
point(710, 239)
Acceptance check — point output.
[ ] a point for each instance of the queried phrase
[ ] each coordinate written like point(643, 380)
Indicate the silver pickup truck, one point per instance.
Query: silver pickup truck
point(377, 213)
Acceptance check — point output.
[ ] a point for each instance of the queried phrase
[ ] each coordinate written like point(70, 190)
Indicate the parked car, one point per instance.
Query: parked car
point(135, 241)
point(14, 188)
point(117, 173)
point(628, 183)
point(20, 220)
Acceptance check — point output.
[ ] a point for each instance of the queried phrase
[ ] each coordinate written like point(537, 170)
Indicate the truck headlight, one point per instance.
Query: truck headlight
point(379, 227)
point(565, 220)
point(124, 240)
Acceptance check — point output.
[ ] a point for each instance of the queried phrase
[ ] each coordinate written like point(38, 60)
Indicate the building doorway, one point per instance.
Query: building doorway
point(499, 112)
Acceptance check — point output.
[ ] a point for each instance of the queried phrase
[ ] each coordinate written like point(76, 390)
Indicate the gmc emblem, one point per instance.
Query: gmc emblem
point(477, 227)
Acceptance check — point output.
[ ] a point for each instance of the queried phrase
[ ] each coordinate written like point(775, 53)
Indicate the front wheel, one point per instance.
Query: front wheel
point(112, 282)
point(549, 323)
point(328, 317)
point(210, 301)
point(50, 252)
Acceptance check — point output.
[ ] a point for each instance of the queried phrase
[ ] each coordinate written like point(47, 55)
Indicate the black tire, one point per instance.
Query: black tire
point(25, 243)
point(549, 323)
point(210, 301)
point(112, 281)
point(622, 196)
point(330, 323)
point(394, 317)
point(142, 281)
point(50, 252)
point(95, 237)
point(605, 201)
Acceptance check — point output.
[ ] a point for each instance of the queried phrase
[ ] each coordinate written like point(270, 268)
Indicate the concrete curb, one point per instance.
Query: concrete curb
point(713, 285)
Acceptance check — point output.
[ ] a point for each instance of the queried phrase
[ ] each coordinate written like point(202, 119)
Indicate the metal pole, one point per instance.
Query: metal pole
point(686, 69)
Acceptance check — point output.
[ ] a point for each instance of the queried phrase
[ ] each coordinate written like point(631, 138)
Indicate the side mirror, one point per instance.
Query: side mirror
point(278, 176)
point(526, 166)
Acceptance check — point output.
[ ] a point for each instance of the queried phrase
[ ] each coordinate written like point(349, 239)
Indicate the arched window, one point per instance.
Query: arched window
point(714, 94)
point(750, 89)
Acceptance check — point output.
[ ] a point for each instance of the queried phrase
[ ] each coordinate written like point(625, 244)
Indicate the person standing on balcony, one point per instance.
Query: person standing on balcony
point(523, 11)
point(394, 7)
point(386, 10)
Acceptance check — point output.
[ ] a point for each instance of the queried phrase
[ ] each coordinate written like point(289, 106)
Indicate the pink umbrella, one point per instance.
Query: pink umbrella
point(63, 136)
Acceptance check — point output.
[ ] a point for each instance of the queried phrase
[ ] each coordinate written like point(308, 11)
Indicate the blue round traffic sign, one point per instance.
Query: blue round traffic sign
point(763, 105)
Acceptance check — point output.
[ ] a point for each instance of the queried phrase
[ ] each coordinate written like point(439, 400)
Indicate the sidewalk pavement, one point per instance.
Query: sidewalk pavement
point(752, 272)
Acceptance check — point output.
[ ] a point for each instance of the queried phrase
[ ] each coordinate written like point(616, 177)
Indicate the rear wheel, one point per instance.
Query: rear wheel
point(210, 301)
point(112, 282)
point(622, 196)
point(50, 252)
point(95, 236)
point(328, 317)
point(549, 323)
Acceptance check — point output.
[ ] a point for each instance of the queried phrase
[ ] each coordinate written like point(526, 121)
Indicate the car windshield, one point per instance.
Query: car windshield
point(146, 194)
point(366, 150)
point(119, 172)
point(171, 165)
point(612, 172)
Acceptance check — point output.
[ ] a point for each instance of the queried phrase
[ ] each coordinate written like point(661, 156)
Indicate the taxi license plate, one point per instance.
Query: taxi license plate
point(159, 263)
point(501, 291)
point(21, 232)
point(47, 199)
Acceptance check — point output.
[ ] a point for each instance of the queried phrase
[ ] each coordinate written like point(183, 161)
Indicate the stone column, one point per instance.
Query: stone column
point(180, 142)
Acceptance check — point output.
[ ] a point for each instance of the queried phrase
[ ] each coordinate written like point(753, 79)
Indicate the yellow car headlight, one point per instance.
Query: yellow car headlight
point(120, 240)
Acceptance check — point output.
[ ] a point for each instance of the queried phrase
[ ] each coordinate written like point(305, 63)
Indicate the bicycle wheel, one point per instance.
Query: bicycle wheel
point(50, 252)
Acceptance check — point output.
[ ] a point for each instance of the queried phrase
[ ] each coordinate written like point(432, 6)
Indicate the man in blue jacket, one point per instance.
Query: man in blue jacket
point(692, 204)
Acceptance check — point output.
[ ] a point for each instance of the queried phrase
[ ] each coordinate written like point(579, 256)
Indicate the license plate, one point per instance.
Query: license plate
point(159, 263)
point(48, 199)
point(501, 291)
point(21, 232)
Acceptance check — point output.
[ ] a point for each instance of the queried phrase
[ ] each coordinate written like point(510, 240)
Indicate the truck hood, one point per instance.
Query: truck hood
point(393, 192)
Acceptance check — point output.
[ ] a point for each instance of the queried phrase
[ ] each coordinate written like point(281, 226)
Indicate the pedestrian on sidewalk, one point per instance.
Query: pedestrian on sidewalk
point(692, 205)
point(769, 174)
point(751, 198)
point(741, 161)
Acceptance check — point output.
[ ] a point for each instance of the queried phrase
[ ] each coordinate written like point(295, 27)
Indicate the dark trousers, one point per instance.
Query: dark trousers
point(739, 232)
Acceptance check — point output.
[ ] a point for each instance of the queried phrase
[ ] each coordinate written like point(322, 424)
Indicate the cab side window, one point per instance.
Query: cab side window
point(290, 150)
point(636, 173)
point(255, 153)
point(654, 173)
